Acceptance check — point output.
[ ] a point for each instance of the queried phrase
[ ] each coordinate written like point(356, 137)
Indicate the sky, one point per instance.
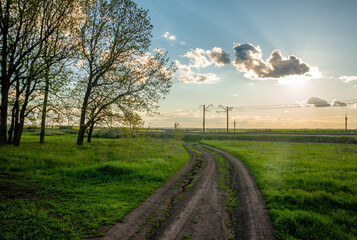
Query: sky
point(277, 63)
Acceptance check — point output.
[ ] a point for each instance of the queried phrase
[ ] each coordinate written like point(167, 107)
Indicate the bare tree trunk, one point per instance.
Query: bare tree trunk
point(5, 80)
point(44, 109)
point(11, 129)
point(82, 126)
point(3, 118)
point(15, 114)
point(16, 120)
point(89, 139)
point(20, 126)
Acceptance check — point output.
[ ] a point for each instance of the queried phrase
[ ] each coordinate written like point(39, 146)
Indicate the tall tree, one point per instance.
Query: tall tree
point(112, 31)
point(57, 53)
point(25, 26)
point(137, 86)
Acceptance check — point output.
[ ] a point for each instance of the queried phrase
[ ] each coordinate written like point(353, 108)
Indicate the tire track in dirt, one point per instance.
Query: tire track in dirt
point(201, 214)
point(191, 205)
point(135, 221)
point(252, 217)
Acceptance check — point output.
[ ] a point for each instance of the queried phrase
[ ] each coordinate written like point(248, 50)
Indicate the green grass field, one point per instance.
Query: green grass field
point(61, 191)
point(310, 188)
point(261, 136)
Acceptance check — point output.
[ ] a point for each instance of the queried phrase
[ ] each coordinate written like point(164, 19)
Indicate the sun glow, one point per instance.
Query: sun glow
point(300, 80)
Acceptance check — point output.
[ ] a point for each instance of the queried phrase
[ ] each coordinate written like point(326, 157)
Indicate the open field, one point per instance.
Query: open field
point(69, 192)
point(261, 136)
point(270, 135)
point(278, 131)
point(310, 188)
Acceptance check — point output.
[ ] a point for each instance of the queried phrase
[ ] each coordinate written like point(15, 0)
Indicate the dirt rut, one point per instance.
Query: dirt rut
point(253, 221)
point(201, 213)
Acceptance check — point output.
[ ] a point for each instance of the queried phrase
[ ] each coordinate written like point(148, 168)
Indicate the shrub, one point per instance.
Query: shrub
point(107, 133)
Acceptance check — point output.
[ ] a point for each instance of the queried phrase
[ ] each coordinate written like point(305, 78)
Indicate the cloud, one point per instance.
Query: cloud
point(317, 102)
point(168, 36)
point(248, 59)
point(218, 56)
point(198, 60)
point(199, 78)
point(188, 76)
point(336, 103)
point(320, 103)
point(348, 79)
point(182, 68)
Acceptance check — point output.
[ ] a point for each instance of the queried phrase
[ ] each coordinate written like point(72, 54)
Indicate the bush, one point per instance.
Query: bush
point(107, 133)
point(68, 129)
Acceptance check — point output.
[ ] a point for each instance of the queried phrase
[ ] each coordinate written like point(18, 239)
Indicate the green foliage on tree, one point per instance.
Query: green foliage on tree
point(116, 69)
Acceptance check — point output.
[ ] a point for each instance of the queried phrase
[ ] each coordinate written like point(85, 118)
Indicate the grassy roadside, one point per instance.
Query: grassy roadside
point(62, 191)
point(310, 189)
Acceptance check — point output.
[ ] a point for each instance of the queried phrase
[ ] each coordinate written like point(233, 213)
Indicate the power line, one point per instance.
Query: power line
point(256, 107)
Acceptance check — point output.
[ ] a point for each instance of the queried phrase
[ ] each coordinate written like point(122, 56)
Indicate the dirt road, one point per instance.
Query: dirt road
point(253, 221)
point(191, 205)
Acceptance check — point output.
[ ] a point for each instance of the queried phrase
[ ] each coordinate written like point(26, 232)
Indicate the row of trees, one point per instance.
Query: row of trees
point(88, 57)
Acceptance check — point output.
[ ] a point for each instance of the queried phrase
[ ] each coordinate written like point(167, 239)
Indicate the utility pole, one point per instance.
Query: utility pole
point(346, 123)
point(226, 109)
point(234, 125)
point(204, 115)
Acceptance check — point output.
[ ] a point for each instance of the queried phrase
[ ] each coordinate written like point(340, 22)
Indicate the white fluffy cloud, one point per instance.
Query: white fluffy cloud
point(200, 58)
point(249, 59)
point(182, 68)
point(188, 76)
point(199, 78)
point(197, 58)
point(168, 36)
point(348, 79)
